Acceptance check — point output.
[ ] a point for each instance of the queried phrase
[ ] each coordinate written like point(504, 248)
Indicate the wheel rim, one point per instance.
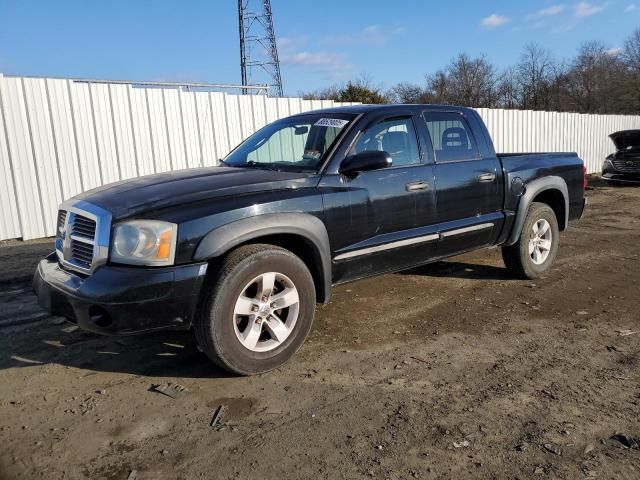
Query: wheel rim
point(540, 242)
point(266, 312)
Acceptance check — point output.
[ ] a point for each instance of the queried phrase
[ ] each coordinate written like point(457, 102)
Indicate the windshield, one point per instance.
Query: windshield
point(296, 143)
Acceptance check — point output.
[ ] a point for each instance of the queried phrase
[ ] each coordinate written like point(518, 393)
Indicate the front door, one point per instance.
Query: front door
point(379, 220)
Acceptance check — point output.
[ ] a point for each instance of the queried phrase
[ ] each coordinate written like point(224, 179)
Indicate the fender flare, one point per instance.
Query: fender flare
point(226, 237)
point(532, 189)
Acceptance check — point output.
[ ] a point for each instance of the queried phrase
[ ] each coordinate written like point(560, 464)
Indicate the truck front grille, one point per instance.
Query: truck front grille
point(83, 227)
point(627, 165)
point(75, 240)
point(81, 253)
point(62, 219)
point(82, 237)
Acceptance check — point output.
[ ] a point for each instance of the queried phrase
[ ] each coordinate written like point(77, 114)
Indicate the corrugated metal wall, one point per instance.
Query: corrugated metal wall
point(60, 137)
point(528, 131)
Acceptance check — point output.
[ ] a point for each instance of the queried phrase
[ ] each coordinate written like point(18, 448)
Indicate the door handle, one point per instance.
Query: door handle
point(487, 177)
point(416, 186)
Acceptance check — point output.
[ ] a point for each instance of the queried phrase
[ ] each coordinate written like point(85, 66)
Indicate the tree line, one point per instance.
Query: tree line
point(596, 80)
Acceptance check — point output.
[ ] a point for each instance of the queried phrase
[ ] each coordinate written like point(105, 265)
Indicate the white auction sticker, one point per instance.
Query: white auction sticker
point(331, 122)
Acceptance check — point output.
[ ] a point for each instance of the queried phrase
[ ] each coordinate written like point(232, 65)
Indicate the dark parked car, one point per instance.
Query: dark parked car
point(241, 253)
point(624, 165)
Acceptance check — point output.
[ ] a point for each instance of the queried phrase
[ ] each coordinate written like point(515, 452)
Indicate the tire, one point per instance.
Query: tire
point(519, 259)
point(246, 335)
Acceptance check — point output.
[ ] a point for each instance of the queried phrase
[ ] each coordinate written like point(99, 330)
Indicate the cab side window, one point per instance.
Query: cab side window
point(396, 136)
point(451, 137)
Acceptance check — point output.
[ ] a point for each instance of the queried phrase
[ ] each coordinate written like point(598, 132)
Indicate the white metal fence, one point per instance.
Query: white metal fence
point(60, 137)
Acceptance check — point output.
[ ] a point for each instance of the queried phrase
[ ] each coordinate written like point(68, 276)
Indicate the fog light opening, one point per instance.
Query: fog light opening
point(100, 317)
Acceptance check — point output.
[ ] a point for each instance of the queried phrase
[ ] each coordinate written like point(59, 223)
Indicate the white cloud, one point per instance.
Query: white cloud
point(586, 9)
point(630, 8)
point(369, 35)
point(327, 55)
point(312, 58)
point(614, 52)
point(547, 12)
point(552, 10)
point(494, 20)
point(331, 66)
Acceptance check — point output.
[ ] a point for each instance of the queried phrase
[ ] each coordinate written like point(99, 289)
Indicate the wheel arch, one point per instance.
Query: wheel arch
point(301, 233)
point(550, 190)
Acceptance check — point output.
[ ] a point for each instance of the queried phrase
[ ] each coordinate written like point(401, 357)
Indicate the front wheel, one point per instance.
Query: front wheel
point(258, 310)
point(536, 249)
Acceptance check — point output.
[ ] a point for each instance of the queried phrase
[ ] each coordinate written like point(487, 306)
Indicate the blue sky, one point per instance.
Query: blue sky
point(320, 42)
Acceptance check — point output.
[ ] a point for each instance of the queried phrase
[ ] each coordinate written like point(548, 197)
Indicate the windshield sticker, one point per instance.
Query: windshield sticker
point(331, 122)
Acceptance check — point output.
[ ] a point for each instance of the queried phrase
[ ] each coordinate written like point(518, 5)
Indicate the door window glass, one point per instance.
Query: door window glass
point(395, 136)
point(451, 136)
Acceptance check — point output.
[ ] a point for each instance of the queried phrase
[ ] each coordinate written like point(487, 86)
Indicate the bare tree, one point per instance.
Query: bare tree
point(359, 90)
point(329, 93)
point(405, 92)
point(438, 87)
point(596, 80)
point(631, 58)
point(631, 52)
point(535, 77)
point(508, 89)
point(465, 81)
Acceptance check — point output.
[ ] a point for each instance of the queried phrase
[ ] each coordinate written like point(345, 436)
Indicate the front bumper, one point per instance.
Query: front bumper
point(620, 177)
point(610, 173)
point(121, 300)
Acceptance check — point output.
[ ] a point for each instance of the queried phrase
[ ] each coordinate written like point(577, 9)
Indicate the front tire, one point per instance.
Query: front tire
point(536, 249)
point(257, 311)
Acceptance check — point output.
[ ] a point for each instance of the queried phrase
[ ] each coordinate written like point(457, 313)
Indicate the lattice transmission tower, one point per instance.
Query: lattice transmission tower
point(259, 62)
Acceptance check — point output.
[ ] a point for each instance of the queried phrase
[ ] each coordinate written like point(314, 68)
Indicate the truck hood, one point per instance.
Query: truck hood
point(626, 139)
point(153, 192)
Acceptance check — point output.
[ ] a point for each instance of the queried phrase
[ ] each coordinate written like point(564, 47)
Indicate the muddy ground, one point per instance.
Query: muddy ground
point(454, 370)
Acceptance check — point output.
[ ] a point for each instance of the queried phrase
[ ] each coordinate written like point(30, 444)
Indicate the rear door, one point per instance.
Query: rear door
point(468, 183)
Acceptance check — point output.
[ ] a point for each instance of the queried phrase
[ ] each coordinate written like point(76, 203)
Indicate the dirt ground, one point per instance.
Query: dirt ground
point(454, 370)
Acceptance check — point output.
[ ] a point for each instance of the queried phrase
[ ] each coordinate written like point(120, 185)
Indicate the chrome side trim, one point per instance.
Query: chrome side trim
point(388, 246)
point(102, 235)
point(460, 231)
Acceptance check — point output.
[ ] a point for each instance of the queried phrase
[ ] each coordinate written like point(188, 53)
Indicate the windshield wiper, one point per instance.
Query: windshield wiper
point(265, 166)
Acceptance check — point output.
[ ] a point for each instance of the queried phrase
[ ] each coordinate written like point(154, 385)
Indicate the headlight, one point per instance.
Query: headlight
point(144, 242)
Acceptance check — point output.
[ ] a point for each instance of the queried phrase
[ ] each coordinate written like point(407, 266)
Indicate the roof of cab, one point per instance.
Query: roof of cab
point(359, 109)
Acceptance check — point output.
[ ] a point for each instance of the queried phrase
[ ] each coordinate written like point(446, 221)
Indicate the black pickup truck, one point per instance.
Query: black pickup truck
point(241, 253)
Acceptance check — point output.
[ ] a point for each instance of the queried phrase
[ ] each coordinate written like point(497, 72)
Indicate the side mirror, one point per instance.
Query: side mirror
point(365, 161)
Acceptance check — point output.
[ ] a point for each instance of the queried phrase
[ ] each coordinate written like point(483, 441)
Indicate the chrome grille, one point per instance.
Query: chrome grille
point(77, 240)
point(626, 165)
point(61, 225)
point(83, 227)
point(81, 253)
point(62, 218)
point(82, 238)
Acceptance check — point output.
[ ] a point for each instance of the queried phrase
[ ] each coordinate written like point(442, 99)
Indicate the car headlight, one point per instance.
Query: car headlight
point(144, 242)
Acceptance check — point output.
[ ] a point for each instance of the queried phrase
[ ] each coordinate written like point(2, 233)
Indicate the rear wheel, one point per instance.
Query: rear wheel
point(536, 249)
point(258, 311)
